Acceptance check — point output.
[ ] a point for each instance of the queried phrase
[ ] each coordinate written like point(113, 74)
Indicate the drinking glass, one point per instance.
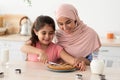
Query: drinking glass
point(4, 55)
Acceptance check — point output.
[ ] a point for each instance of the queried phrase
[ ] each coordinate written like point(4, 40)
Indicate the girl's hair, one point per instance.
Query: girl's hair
point(38, 24)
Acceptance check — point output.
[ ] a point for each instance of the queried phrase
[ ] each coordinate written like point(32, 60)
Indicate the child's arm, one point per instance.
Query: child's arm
point(67, 58)
point(27, 48)
point(80, 64)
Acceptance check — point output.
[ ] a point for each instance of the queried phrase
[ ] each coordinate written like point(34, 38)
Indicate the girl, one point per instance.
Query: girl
point(41, 48)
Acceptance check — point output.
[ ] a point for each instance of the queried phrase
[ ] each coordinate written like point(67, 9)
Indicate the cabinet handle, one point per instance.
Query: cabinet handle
point(104, 50)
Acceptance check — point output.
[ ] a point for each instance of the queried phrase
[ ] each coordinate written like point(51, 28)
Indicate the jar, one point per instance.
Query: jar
point(110, 35)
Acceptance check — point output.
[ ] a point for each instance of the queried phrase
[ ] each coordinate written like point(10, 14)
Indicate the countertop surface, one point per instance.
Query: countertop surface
point(110, 42)
point(18, 37)
point(14, 37)
point(39, 71)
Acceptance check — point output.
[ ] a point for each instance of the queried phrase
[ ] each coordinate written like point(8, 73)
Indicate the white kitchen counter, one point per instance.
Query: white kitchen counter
point(39, 71)
point(18, 37)
point(14, 37)
point(110, 42)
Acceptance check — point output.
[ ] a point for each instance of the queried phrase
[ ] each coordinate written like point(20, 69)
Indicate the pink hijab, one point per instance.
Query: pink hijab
point(83, 40)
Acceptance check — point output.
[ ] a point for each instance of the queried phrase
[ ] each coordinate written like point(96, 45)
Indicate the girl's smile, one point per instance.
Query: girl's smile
point(45, 34)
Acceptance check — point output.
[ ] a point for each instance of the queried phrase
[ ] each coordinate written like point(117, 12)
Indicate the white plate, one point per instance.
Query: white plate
point(71, 70)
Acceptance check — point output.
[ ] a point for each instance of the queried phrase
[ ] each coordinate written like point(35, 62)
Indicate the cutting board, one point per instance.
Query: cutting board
point(1, 21)
point(11, 21)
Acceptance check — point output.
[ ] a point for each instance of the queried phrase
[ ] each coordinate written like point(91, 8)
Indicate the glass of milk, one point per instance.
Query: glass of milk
point(4, 55)
point(97, 65)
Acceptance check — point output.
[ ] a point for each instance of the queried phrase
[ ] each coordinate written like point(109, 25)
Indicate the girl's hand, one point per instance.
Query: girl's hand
point(80, 64)
point(42, 57)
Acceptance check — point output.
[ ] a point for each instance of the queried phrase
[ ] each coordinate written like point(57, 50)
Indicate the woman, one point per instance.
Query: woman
point(73, 35)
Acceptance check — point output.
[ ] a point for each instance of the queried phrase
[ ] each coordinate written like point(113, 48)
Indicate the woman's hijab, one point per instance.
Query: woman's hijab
point(83, 40)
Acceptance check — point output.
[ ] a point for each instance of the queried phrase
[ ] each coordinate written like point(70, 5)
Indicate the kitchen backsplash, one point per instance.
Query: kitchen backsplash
point(11, 22)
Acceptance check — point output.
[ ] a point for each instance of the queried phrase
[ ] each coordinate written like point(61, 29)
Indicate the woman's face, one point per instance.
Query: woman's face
point(45, 35)
point(66, 24)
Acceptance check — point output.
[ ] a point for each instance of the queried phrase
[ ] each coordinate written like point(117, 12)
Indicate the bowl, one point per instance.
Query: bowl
point(2, 30)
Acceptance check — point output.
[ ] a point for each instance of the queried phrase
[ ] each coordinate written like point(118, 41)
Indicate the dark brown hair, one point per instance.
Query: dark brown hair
point(38, 24)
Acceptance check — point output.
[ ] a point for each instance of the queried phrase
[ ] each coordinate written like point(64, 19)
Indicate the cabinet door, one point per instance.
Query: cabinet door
point(14, 49)
point(111, 51)
point(111, 55)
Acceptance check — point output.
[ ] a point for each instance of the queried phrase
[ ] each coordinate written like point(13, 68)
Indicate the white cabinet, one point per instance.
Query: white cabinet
point(111, 55)
point(14, 49)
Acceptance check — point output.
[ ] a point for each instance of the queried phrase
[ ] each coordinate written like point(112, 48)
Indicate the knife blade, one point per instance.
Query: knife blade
point(53, 63)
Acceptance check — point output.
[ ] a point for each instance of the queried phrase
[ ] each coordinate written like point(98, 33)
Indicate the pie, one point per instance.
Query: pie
point(61, 66)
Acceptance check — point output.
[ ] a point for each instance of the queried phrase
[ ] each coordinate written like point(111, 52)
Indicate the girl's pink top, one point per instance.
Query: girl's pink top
point(53, 52)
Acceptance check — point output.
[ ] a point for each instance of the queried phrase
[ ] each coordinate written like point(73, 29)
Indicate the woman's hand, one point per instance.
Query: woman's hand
point(42, 57)
point(80, 64)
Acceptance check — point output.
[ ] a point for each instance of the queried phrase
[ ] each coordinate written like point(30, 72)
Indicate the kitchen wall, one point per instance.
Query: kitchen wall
point(102, 15)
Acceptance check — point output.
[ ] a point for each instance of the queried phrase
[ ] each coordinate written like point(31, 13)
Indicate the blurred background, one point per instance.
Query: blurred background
point(102, 15)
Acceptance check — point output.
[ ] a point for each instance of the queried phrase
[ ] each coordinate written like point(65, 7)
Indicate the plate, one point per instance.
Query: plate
point(71, 70)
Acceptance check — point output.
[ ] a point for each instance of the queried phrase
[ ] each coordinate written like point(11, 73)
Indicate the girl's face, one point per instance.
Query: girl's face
point(66, 24)
point(45, 35)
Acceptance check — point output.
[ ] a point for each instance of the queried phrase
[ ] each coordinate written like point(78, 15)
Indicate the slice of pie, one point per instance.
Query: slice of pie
point(61, 66)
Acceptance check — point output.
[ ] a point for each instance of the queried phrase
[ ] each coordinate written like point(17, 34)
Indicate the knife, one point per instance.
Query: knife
point(53, 63)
